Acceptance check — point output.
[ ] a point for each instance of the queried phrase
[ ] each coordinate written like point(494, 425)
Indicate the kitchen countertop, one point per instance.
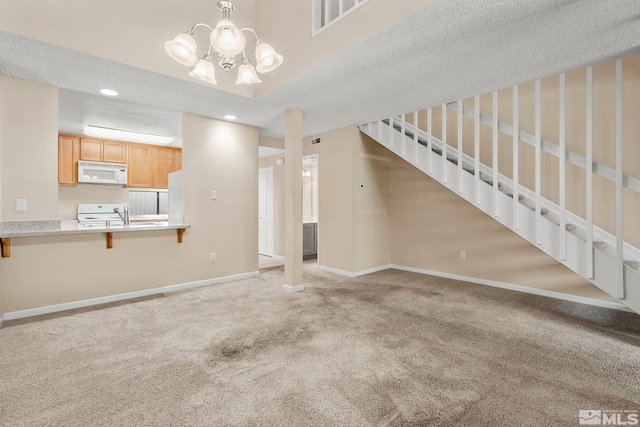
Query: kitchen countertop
point(11, 229)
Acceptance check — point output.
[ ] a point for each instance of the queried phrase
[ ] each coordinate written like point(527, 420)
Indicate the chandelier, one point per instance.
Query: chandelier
point(227, 41)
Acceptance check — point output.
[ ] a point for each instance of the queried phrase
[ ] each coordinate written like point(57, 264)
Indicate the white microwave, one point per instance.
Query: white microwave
point(102, 173)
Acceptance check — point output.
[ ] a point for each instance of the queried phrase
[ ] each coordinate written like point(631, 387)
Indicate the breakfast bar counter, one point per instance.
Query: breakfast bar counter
point(17, 229)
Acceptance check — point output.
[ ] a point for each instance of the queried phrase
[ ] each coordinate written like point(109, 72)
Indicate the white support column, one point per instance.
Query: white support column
point(562, 172)
point(444, 143)
point(495, 153)
point(516, 160)
point(589, 173)
point(340, 7)
point(415, 137)
point(429, 144)
point(293, 200)
point(621, 294)
point(403, 127)
point(476, 148)
point(538, 165)
point(380, 123)
point(460, 171)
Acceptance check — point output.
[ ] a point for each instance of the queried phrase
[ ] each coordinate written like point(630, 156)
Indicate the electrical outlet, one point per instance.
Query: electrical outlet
point(463, 255)
point(213, 257)
point(21, 204)
point(214, 195)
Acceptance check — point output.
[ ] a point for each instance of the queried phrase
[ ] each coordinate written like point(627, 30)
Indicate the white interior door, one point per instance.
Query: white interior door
point(265, 211)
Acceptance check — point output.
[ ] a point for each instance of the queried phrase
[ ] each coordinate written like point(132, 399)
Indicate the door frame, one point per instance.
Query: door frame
point(269, 190)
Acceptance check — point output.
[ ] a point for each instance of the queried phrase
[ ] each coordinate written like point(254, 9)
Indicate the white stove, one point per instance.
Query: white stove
point(99, 215)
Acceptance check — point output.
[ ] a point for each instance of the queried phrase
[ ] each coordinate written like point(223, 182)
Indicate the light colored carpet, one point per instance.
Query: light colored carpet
point(391, 348)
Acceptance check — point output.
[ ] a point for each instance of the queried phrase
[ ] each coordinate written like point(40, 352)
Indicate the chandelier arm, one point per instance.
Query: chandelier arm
point(200, 24)
point(254, 33)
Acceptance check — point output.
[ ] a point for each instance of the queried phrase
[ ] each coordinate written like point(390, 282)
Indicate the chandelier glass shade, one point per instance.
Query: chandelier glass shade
point(205, 70)
point(227, 40)
point(182, 49)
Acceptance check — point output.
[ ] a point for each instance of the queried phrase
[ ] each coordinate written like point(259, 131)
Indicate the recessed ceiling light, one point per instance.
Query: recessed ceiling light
point(123, 135)
point(230, 117)
point(108, 92)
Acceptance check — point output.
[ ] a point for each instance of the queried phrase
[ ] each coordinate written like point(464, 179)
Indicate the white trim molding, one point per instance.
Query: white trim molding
point(292, 289)
point(519, 288)
point(120, 297)
point(277, 258)
point(353, 273)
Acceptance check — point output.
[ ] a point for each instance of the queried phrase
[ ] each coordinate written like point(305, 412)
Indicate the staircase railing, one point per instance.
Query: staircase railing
point(422, 149)
point(325, 13)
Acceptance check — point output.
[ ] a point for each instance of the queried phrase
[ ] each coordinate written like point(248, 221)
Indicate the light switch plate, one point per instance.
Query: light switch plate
point(21, 204)
point(213, 257)
point(214, 195)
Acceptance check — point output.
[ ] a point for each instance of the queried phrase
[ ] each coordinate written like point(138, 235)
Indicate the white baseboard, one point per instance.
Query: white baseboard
point(289, 288)
point(519, 288)
point(120, 297)
point(354, 273)
point(335, 271)
point(277, 258)
point(371, 270)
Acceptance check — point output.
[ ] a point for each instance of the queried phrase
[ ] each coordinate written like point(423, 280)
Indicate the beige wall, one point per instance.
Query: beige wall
point(267, 141)
point(221, 156)
point(603, 138)
point(217, 155)
point(335, 208)
point(29, 146)
point(431, 225)
point(371, 206)
point(278, 201)
point(302, 52)
point(353, 224)
point(70, 197)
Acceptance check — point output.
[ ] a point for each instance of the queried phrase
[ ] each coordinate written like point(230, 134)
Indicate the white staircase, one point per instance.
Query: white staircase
point(603, 259)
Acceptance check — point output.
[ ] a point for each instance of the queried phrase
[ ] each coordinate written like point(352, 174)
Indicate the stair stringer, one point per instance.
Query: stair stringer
point(447, 174)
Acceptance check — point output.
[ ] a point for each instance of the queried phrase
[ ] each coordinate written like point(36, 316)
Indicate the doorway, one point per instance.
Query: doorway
point(265, 211)
point(310, 207)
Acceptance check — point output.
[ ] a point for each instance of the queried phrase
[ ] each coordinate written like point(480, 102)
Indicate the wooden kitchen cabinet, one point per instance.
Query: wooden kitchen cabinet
point(140, 166)
point(95, 150)
point(68, 156)
point(91, 149)
point(148, 165)
point(162, 166)
point(177, 159)
point(114, 152)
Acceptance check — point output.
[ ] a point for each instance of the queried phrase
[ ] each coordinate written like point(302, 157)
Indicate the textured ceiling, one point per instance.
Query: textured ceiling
point(446, 51)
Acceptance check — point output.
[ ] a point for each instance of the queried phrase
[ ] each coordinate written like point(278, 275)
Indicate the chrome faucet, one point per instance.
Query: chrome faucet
point(124, 216)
